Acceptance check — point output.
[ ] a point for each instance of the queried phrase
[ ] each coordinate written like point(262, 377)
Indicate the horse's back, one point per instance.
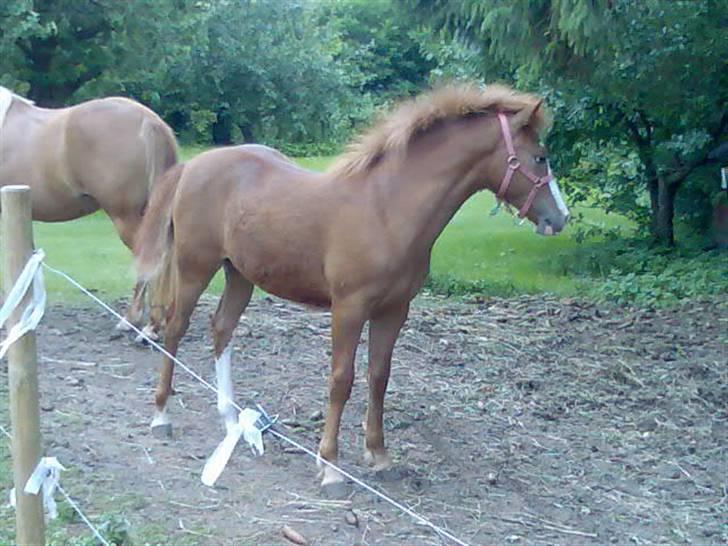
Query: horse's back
point(103, 153)
point(115, 148)
point(254, 206)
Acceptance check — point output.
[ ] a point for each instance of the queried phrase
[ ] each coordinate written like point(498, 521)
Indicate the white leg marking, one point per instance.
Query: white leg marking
point(556, 194)
point(160, 418)
point(123, 325)
point(330, 475)
point(147, 333)
point(225, 387)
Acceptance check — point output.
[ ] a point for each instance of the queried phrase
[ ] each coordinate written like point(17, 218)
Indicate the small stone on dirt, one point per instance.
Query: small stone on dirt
point(647, 424)
point(317, 415)
point(351, 518)
point(293, 535)
point(492, 478)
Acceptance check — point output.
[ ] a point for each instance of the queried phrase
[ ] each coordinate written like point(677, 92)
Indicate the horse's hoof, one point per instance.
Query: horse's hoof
point(148, 334)
point(335, 490)
point(162, 431)
point(379, 461)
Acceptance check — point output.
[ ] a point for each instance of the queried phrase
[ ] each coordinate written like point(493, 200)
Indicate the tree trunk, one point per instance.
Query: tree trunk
point(246, 130)
point(653, 187)
point(663, 221)
point(222, 128)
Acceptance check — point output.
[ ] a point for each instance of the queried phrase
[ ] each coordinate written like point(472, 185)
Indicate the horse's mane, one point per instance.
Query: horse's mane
point(393, 133)
point(6, 99)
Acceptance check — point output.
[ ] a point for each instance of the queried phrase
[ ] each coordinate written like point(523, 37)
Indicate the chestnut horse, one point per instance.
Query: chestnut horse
point(356, 239)
point(101, 154)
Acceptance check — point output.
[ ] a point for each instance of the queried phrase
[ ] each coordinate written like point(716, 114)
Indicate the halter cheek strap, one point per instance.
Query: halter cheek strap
point(515, 165)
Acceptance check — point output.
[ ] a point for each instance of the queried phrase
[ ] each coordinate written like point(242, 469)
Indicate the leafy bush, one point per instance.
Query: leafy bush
point(630, 272)
point(666, 281)
point(448, 285)
point(308, 149)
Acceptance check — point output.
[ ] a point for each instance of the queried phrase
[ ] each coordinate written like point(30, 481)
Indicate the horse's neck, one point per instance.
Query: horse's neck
point(422, 195)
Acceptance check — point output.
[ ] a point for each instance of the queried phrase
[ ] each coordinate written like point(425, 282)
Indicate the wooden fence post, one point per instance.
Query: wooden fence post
point(17, 246)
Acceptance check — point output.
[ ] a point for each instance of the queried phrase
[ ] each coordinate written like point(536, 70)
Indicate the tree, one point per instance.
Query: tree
point(67, 47)
point(381, 55)
point(51, 50)
point(17, 21)
point(650, 75)
point(262, 68)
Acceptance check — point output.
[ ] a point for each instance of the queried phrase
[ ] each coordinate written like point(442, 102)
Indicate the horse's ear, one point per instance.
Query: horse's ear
point(531, 116)
point(535, 115)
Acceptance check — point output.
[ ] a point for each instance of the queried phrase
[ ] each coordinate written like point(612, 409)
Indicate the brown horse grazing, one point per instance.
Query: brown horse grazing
point(102, 154)
point(356, 238)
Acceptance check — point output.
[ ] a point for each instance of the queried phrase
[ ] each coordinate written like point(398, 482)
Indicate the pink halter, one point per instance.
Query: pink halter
point(515, 165)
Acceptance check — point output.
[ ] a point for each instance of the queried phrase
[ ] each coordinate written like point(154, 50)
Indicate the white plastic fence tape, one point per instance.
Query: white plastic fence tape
point(31, 274)
point(245, 427)
point(46, 476)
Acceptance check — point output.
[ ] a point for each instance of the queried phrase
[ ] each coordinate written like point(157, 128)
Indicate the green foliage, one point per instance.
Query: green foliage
point(607, 174)
point(18, 21)
point(645, 80)
point(629, 271)
point(293, 74)
point(375, 42)
point(451, 285)
point(650, 280)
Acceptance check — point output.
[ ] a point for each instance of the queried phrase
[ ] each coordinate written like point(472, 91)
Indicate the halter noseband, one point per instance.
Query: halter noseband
point(515, 165)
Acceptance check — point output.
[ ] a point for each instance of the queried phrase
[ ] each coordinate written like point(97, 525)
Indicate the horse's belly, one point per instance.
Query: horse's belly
point(290, 283)
point(299, 293)
point(55, 210)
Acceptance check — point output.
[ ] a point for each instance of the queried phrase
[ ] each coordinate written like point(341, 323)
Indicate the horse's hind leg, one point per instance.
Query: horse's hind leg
point(187, 291)
point(383, 332)
point(233, 302)
point(126, 225)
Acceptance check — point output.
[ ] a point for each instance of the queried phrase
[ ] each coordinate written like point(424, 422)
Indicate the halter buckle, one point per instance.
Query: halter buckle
point(513, 163)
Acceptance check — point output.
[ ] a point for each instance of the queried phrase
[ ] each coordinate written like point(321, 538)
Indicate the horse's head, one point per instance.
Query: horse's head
point(524, 177)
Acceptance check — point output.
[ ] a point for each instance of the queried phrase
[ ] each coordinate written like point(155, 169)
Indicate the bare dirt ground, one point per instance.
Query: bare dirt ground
point(524, 421)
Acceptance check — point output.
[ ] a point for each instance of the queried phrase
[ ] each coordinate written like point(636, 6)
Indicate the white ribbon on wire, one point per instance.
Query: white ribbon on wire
point(246, 428)
point(46, 476)
point(31, 274)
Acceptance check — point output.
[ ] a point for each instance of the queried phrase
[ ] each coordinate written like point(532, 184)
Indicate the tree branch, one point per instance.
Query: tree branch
point(706, 156)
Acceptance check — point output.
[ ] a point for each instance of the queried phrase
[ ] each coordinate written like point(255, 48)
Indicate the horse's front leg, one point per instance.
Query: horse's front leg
point(384, 329)
point(347, 321)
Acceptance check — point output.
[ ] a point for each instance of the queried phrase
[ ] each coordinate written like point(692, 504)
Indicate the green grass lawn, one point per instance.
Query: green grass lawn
point(474, 247)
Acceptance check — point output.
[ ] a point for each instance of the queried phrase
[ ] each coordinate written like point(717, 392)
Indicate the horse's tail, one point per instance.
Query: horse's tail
point(155, 237)
point(160, 146)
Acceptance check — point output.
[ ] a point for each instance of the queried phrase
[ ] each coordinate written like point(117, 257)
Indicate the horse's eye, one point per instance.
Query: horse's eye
point(540, 159)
